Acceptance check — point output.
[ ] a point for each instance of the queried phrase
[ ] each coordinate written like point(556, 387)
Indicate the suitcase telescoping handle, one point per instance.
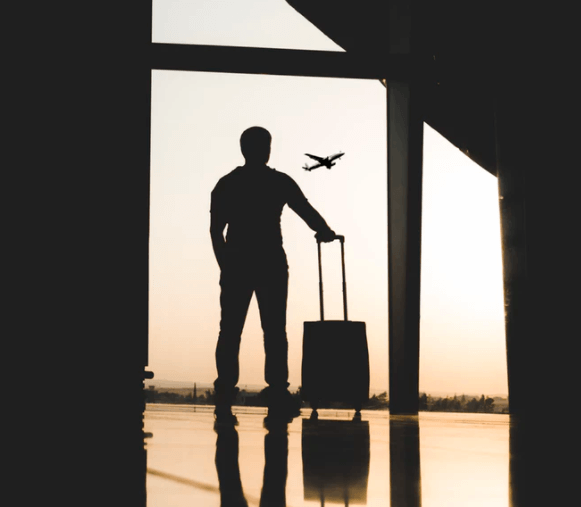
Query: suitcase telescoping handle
point(342, 240)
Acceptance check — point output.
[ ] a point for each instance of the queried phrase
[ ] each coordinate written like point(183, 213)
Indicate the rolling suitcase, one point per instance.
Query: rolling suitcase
point(335, 363)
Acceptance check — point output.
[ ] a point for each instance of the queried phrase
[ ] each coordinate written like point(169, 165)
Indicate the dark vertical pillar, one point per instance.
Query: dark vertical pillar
point(537, 159)
point(511, 195)
point(144, 189)
point(101, 183)
point(405, 146)
point(124, 233)
point(519, 154)
point(540, 288)
point(404, 461)
point(144, 209)
point(521, 455)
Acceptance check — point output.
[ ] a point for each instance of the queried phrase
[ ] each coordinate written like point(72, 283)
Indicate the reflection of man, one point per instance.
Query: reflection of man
point(273, 492)
point(249, 200)
point(231, 493)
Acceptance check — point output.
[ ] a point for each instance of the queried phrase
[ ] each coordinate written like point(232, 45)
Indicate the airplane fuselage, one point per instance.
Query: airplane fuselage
point(327, 162)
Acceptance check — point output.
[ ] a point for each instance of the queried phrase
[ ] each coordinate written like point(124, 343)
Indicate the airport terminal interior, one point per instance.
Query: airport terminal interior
point(472, 78)
point(495, 79)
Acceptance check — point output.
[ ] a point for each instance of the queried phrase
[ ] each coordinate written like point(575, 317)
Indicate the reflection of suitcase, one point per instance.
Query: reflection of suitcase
point(335, 461)
point(335, 356)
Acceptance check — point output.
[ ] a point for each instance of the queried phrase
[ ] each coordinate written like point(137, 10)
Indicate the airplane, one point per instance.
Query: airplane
point(327, 161)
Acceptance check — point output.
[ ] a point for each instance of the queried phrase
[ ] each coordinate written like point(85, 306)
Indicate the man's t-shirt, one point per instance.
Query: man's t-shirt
point(250, 201)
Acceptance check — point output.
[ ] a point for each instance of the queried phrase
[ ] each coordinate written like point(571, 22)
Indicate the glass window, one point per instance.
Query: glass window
point(197, 119)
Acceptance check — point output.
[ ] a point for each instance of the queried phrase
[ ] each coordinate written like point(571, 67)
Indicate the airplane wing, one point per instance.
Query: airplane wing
point(314, 157)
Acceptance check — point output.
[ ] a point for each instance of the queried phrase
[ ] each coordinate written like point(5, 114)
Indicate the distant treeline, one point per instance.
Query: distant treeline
point(463, 403)
point(427, 403)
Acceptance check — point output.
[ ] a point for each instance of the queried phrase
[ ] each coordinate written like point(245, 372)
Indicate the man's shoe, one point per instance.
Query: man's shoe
point(283, 406)
point(225, 396)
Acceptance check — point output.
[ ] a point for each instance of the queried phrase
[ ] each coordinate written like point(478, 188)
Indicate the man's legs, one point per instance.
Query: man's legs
point(271, 294)
point(235, 298)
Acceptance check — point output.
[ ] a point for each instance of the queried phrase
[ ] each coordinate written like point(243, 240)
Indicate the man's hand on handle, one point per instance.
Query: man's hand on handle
point(326, 236)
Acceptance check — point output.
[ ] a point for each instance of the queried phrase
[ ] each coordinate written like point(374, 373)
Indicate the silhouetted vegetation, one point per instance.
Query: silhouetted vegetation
point(483, 404)
point(379, 402)
point(427, 403)
point(179, 396)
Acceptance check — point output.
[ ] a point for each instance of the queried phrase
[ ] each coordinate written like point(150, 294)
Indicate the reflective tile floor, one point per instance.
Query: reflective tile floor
point(432, 460)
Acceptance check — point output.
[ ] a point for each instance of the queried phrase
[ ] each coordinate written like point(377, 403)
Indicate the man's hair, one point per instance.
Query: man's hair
point(255, 144)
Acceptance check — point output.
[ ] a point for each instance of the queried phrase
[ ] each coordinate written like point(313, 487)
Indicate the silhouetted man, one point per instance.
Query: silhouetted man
point(249, 200)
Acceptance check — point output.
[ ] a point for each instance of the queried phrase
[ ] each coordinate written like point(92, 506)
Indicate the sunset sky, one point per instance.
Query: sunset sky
point(197, 119)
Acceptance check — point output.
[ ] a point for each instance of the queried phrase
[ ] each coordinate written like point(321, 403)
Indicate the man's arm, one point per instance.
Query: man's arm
point(218, 222)
point(217, 226)
point(299, 204)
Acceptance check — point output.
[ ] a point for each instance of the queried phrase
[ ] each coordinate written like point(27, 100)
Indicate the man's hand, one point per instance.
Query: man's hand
point(326, 236)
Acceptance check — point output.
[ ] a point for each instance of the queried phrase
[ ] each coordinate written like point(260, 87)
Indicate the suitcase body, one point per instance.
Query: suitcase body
point(335, 363)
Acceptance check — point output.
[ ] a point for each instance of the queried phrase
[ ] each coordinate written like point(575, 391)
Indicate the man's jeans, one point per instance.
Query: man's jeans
point(238, 282)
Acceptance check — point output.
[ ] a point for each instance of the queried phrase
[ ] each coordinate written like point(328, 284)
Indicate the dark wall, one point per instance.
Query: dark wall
point(88, 145)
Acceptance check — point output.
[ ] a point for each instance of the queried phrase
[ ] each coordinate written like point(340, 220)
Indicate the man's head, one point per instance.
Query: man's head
point(255, 145)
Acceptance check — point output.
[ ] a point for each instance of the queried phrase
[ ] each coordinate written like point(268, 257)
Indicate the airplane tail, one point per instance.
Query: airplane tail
point(306, 167)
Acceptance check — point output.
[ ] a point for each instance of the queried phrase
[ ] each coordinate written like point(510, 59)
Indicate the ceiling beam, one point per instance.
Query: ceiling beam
point(279, 62)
